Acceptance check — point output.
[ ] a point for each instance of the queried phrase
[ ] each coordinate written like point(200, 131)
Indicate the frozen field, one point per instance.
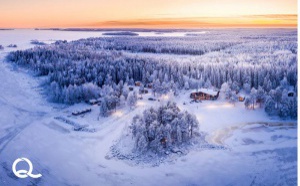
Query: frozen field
point(258, 149)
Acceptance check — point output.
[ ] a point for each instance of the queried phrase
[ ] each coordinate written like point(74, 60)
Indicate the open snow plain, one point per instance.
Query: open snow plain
point(258, 149)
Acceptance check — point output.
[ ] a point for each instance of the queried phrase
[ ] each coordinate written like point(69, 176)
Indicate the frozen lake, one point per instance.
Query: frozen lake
point(22, 37)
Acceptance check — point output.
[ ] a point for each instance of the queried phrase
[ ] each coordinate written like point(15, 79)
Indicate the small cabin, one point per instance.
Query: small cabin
point(94, 101)
point(137, 83)
point(77, 113)
point(151, 99)
point(150, 85)
point(163, 142)
point(143, 91)
point(205, 94)
point(241, 98)
point(291, 94)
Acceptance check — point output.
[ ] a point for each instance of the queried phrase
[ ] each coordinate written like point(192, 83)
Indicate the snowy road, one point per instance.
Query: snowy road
point(20, 105)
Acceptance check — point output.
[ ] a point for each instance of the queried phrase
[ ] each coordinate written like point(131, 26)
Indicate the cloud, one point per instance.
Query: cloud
point(275, 16)
point(269, 20)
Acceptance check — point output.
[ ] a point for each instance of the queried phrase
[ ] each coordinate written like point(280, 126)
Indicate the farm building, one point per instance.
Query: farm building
point(76, 113)
point(205, 94)
point(137, 83)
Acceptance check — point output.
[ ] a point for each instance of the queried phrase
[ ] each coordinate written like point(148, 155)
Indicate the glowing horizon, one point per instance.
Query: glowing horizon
point(148, 14)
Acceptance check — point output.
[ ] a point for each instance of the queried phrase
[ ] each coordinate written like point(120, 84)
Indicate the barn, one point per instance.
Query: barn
point(205, 94)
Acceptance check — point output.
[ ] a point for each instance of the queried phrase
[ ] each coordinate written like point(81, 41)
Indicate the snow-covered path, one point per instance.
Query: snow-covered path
point(21, 105)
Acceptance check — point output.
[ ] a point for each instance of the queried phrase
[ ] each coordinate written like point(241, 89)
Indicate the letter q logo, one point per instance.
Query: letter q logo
point(24, 173)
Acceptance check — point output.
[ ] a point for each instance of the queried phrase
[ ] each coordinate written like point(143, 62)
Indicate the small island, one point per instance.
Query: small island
point(195, 34)
point(37, 42)
point(12, 46)
point(126, 33)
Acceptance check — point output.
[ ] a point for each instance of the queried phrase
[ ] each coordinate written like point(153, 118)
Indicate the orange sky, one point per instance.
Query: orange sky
point(147, 13)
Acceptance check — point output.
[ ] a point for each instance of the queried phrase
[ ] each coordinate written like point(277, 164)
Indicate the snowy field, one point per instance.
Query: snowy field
point(258, 149)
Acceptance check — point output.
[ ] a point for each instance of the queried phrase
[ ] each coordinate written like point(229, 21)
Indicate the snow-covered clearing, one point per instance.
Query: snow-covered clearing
point(259, 150)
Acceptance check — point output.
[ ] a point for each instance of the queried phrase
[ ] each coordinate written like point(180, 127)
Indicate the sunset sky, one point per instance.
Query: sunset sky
point(147, 13)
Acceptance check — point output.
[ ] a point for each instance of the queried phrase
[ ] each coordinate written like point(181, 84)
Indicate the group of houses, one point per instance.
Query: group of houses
point(143, 89)
point(200, 94)
point(98, 101)
point(210, 94)
point(138, 84)
point(204, 94)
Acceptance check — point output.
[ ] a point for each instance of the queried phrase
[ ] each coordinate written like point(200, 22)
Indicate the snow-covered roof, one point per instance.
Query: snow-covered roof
point(207, 91)
point(241, 95)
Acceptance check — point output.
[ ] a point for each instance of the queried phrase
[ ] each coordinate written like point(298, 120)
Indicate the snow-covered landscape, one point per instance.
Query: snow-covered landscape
point(68, 100)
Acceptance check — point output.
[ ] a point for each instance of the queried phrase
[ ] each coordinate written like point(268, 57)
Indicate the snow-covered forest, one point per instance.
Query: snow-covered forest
point(141, 125)
point(163, 128)
point(260, 63)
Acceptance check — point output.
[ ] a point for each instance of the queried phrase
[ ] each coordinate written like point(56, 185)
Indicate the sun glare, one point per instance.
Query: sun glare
point(140, 103)
point(118, 113)
point(218, 106)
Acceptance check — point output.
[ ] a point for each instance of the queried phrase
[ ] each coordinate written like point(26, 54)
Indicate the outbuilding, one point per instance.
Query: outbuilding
point(137, 83)
point(205, 94)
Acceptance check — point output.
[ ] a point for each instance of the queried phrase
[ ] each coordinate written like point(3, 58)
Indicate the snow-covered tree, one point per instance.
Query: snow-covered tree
point(186, 85)
point(163, 128)
point(253, 97)
point(132, 99)
point(260, 96)
point(103, 108)
point(122, 100)
point(225, 89)
point(112, 102)
point(247, 87)
point(284, 83)
point(233, 98)
point(270, 106)
point(247, 102)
